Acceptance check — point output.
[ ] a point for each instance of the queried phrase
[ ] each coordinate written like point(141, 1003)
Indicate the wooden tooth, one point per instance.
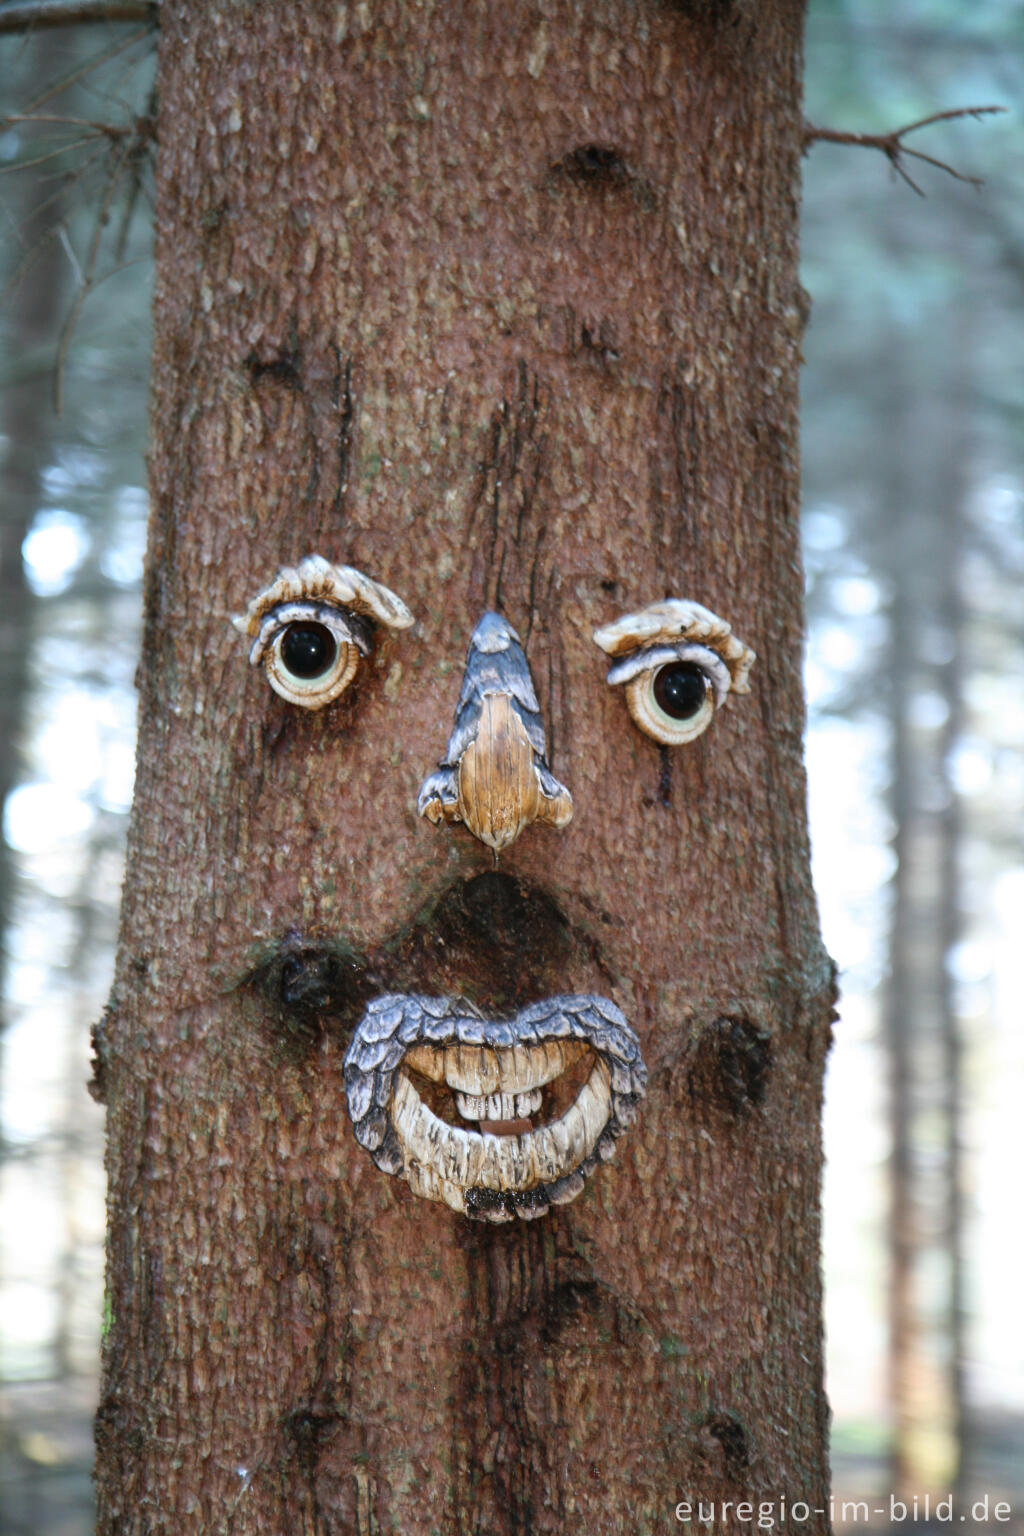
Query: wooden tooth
point(428, 1060)
point(517, 1069)
point(495, 1106)
point(594, 1102)
point(430, 1186)
point(472, 1069)
point(507, 1163)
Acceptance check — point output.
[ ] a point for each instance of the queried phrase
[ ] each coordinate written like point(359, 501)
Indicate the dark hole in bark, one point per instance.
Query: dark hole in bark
point(570, 1303)
point(593, 163)
point(715, 13)
point(316, 987)
point(115, 1427)
point(97, 1084)
point(283, 369)
point(728, 1439)
point(497, 905)
point(599, 168)
point(594, 342)
point(309, 980)
point(732, 1063)
point(492, 938)
point(308, 1429)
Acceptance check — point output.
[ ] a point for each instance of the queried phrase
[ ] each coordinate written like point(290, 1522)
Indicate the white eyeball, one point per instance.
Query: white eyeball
point(310, 652)
point(673, 703)
point(672, 690)
point(678, 663)
point(312, 624)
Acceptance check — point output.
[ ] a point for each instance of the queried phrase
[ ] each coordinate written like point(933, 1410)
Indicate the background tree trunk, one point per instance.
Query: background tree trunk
point(499, 305)
point(26, 432)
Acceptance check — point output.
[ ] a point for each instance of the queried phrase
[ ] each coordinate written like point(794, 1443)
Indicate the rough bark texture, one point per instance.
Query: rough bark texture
point(499, 304)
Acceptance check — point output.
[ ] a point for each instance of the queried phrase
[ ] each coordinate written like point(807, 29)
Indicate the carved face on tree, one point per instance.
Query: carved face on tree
point(499, 307)
point(495, 1117)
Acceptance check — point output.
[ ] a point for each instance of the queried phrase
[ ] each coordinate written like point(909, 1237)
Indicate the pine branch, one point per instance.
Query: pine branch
point(893, 147)
point(32, 15)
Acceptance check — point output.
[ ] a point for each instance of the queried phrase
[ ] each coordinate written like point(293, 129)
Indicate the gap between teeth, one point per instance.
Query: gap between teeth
point(472, 1159)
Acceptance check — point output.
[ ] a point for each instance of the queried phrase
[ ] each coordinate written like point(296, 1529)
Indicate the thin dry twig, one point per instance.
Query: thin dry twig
point(85, 287)
point(86, 68)
point(28, 165)
point(893, 147)
point(145, 131)
point(111, 130)
point(32, 15)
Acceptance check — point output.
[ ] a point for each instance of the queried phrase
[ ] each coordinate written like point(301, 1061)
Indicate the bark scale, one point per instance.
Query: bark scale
point(499, 305)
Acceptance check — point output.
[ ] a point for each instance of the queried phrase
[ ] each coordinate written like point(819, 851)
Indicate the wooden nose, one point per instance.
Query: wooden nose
point(494, 777)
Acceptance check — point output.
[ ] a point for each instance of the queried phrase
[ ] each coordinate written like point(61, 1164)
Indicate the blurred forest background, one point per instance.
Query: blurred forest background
point(914, 539)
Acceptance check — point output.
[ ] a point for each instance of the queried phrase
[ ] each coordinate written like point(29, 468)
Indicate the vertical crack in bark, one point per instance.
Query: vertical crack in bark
point(508, 511)
point(345, 406)
point(677, 476)
point(316, 1425)
point(507, 1430)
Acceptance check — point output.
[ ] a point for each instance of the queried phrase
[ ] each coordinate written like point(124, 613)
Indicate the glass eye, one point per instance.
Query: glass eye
point(678, 663)
point(312, 657)
point(674, 703)
point(310, 627)
point(680, 690)
point(308, 650)
point(672, 697)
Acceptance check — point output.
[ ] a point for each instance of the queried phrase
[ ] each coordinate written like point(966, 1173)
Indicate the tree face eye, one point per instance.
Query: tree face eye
point(678, 663)
point(312, 624)
point(680, 690)
point(310, 661)
point(674, 703)
point(672, 690)
point(307, 651)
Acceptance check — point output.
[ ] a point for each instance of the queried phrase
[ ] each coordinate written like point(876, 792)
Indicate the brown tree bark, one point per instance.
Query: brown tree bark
point(498, 304)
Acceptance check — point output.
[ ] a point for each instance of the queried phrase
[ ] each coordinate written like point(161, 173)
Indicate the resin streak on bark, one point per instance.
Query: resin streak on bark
point(499, 305)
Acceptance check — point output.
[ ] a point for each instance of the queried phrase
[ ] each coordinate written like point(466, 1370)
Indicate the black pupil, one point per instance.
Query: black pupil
point(680, 689)
point(307, 650)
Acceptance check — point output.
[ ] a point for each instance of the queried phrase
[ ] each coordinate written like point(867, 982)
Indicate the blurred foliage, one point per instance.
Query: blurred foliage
point(914, 546)
point(75, 236)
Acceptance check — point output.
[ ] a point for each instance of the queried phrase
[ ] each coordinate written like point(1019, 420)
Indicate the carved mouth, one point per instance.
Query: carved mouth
point(496, 1118)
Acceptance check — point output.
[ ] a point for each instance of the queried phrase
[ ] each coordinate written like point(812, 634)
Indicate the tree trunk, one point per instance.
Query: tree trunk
point(953, 479)
point(902, 547)
point(27, 424)
point(951, 844)
point(499, 306)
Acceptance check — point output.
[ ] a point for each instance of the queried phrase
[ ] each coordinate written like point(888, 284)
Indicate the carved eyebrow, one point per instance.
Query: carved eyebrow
point(316, 580)
point(667, 624)
point(679, 663)
point(312, 623)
